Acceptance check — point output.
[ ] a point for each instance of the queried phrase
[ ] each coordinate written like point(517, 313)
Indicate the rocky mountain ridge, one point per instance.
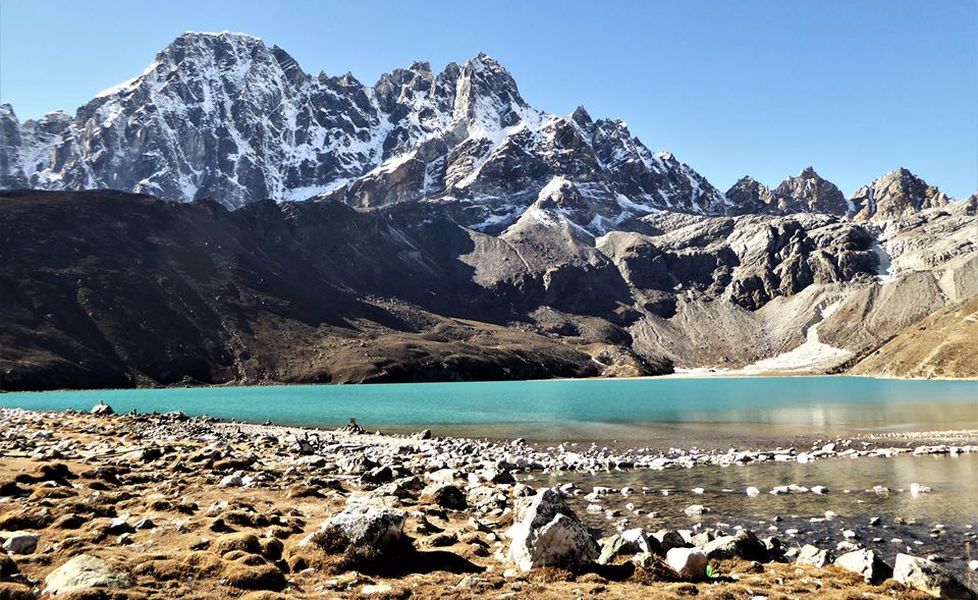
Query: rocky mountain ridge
point(227, 117)
point(107, 289)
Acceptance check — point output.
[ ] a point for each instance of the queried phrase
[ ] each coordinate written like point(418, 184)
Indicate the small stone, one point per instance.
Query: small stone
point(916, 489)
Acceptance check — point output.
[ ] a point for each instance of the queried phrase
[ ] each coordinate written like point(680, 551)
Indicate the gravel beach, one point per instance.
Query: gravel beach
point(100, 505)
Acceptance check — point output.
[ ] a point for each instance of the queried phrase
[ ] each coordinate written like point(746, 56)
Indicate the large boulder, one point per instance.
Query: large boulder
point(689, 563)
point(929, 577)
point(361, 529)
point(84, 572)
point(865, 563)
point(548, 533)
point(743, 544)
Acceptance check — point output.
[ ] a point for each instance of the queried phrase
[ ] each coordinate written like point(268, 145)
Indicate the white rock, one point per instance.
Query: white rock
point(928, 577)
point(379, 589)
point(83, 572)
point(916, 489)
point(753, 492)
point(690, 563)
point(546, 532)
point(361, 526)
point(235, 479)
point(102, 410)
point(811, 555)
point(694, 510)
point(865, 563)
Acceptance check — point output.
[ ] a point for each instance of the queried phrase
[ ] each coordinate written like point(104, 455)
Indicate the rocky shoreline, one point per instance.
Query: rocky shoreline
point(129, 506)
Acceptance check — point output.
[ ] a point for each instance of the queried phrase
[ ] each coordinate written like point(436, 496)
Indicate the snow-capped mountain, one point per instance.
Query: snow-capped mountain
point(227, 117)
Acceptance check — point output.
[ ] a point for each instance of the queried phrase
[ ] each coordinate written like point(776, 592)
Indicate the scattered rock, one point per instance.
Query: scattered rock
point(377, 589)
point(629, 542)
point(446, 495)
point(743, 544)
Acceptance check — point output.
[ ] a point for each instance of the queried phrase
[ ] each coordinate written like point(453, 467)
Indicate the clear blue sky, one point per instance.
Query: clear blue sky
point(765, 87)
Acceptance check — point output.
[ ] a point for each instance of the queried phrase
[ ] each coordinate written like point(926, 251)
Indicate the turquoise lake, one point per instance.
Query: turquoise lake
point(754, 407)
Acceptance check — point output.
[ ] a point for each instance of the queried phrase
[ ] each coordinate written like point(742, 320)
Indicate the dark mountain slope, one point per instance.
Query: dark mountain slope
point(103, 289)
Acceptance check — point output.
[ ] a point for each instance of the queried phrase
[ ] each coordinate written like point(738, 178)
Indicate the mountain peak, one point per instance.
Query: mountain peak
point(748, 196)
point(582, 118)
point(896, 194)
point(809, 192)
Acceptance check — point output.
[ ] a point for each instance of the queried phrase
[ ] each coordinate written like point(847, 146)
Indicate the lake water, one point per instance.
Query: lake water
point(624, 409)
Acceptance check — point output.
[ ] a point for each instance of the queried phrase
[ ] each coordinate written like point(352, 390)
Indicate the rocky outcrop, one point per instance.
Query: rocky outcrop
point(688, 563)
point(749, 197)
